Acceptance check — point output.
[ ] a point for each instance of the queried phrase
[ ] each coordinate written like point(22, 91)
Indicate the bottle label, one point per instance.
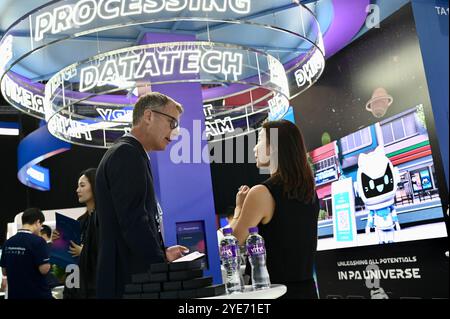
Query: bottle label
point(256, 249)
point(229, 251)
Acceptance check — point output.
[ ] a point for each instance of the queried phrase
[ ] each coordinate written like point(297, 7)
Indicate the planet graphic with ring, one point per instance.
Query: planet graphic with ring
point(379, 103)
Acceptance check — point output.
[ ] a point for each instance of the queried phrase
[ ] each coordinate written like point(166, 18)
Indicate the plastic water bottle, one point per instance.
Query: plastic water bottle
point(256, 251)
point(230, 257)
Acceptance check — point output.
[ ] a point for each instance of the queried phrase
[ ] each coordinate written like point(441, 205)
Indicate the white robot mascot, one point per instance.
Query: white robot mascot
point(377, 181)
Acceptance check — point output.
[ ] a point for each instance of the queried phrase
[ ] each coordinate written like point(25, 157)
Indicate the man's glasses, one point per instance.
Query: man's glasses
point(173, 123)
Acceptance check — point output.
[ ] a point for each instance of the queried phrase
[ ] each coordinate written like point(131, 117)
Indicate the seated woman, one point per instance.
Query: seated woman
point(285, 208)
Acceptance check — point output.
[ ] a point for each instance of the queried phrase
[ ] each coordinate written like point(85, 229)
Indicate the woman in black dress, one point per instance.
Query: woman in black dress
point(285, 208)
point(87, 250)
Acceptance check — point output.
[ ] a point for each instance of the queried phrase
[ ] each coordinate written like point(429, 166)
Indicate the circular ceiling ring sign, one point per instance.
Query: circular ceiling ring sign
point(124, 70)
point(279, 49)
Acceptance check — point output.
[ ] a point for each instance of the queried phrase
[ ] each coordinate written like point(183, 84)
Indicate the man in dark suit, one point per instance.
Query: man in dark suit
point(127, 209)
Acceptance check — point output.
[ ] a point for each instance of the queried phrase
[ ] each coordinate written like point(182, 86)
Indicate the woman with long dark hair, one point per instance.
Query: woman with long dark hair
point(89, 234)
point(88, 248)
point(285, 208)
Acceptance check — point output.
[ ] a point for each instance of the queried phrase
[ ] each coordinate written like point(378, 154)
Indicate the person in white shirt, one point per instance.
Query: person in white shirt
point(229, 217)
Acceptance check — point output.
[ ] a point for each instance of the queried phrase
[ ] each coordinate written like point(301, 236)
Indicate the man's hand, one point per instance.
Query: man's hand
point(367, 230)
point(75, 249)
point(175, 252)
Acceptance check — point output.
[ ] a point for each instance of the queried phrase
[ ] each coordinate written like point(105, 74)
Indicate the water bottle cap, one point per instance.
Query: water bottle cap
point(253, 230)
point(227, 231)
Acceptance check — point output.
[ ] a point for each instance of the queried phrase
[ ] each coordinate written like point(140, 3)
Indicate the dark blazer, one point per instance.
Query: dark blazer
point(129, 240)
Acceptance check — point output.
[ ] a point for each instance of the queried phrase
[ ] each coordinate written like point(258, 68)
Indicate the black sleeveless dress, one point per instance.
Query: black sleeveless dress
point(291, 242)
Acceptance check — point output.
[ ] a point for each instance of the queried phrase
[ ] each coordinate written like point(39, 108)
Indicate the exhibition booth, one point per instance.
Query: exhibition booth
point(365, 81)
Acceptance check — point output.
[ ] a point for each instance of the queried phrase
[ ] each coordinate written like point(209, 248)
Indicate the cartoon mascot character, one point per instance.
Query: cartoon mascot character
point(377, 181)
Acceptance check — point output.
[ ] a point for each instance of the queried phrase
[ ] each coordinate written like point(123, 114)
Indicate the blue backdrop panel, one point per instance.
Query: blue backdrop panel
point(185, 190)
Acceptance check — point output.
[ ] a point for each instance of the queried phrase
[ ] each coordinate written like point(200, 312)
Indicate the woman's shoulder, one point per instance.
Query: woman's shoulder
point(274, 181)
point(260, 190)
point(262, 194)
point(83, 216)
point(273, 186)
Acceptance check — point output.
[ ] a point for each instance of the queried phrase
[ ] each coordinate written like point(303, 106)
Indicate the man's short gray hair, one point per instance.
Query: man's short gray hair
point(152, 101)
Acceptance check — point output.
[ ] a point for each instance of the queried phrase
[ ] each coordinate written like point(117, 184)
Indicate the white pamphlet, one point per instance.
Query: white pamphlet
point(192, 256)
